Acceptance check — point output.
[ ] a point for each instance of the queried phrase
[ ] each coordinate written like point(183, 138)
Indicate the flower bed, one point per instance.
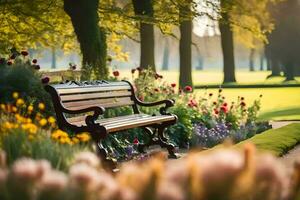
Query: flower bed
point(203, 120)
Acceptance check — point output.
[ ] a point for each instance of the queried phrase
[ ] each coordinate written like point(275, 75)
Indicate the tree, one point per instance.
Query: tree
point(166, 55)
point(32, 24)
point(249, 22)
point(92, 38)
point(227, 43)
point(251, 60)
point(284, 40)
point(144, 10)
point(185, 44)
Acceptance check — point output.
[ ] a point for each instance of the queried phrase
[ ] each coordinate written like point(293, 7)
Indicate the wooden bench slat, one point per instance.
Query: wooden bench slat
point(83, 90)
point(74, 97)
point(106, 103)
point(138, 123)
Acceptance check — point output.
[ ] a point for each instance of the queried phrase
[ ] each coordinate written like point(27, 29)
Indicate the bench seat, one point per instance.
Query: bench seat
point(115, 124)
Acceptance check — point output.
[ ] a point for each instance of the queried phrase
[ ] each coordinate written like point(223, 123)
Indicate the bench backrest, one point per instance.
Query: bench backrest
point(80, 95)
point(107, 95)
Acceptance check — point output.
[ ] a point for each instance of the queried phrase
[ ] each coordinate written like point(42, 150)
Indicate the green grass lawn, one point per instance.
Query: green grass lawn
point(209, 77)
point(276, 103)
point(277, 141)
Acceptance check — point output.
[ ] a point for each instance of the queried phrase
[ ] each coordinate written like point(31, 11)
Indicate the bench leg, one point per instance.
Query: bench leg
point(141, 147)
point(103, 154)
point(163, 142)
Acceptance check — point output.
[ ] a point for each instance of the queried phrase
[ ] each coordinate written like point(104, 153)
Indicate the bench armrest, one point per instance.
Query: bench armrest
point(168, 103)
point(90, 119)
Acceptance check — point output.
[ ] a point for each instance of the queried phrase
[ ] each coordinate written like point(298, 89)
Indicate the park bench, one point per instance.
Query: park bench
point(81, 107)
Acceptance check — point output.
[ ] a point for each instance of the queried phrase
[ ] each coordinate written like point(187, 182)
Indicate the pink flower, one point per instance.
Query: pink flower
point(224, 109)
point(173, 85)
point(88, 158)
point(188, 88)
point(225, 104)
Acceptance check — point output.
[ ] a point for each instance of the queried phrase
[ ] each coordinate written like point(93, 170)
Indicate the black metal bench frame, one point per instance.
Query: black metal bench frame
point(99, 132)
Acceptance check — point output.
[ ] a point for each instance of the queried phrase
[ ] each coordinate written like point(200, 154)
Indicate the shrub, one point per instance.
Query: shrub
point(22, 76)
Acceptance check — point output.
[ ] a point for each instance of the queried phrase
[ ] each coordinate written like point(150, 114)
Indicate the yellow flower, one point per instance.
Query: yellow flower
point(19, 102)
point(2, 106)
point(41, 106)
point(83, 137)
point(51, 120)
point(43, 122)
point(14, 109)
point(15, 95)
point(59, 134)
point(8, 125)
point(30, 108)
point(31, 128)
point(75, 140)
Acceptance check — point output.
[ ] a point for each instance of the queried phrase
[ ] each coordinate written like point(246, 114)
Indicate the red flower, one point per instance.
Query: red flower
point(73, 67)
point(135, 141)
point(116, 73)
point(216, 111)
point(45, 80)
point(243, 104)
point(9, 62)
point(210, 94)
point(242, 98)
point(225, 104)
point(188, 88)
point(224, 109)
point(34, 61)
point(215, 103)
point(37, 67)
point(173, 85)
point(133, 71)
point(156, 90)
point(13, 56)
point(24, 53)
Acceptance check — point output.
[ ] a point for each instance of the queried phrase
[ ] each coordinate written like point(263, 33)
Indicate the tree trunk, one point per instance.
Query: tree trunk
point(227, 49)
point(144, 9)
point(251, 60)
point(166, 55)
point(289, 71)
point(53, 58)
point(274, 63)
point(262, 58)
point(92, 38)
point(199, 59)
point(185, 48)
